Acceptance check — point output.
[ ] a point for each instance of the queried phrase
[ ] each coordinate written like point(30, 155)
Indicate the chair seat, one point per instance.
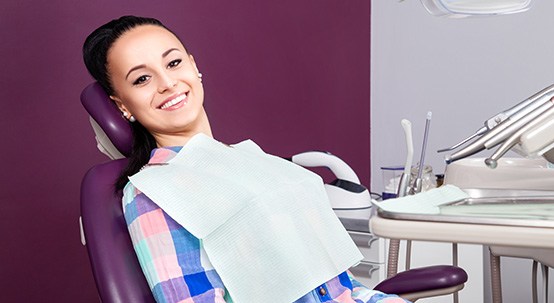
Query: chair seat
point(423, 279)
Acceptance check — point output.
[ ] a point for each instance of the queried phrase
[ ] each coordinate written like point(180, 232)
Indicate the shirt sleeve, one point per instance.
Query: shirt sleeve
point(172, 259)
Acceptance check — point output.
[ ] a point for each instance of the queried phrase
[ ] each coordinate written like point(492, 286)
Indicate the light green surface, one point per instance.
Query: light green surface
point(538, 211)
point(423, 203)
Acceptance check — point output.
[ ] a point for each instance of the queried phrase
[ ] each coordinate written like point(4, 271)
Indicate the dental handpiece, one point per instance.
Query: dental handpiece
point(478, 133)
point(526, 116)
point(533, 101)
point(492, 161)
point(503, 130)
point(541, 96)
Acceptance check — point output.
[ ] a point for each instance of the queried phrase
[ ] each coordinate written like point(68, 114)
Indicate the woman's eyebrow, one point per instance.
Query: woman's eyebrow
point(134, 69)
point(164, 54)
point(167, 52)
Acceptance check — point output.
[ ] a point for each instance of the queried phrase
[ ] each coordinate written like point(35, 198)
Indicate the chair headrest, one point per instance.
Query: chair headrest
point(107, 116)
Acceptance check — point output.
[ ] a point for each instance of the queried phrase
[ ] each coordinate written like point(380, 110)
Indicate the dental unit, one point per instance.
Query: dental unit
point(510, 127)
point(345, 192)
point(515, 186)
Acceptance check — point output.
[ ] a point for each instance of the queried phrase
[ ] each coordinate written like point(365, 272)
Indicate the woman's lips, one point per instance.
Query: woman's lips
point(174, 103)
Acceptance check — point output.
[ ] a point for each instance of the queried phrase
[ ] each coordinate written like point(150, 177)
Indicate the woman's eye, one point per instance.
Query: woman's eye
point(174, 63)
point(140, 80)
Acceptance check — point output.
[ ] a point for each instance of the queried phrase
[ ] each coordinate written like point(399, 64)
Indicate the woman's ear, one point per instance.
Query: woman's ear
point(191, 57)
point(119, 104)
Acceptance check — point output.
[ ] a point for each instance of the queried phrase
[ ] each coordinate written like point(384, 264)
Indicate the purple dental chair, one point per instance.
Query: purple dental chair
point(115, 266)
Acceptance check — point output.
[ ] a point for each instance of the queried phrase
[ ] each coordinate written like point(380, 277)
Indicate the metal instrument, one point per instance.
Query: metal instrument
point(506, 126)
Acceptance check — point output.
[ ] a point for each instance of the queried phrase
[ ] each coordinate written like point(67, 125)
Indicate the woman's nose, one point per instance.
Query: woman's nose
point(166, 82)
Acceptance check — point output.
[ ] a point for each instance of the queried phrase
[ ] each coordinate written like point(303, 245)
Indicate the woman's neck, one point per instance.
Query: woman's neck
point(181, 138)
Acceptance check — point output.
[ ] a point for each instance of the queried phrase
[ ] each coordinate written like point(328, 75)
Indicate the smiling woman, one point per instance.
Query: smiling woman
point(147, 71)
point(157, 81)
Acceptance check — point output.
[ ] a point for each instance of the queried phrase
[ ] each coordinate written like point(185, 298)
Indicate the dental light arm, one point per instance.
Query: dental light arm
point(502, 127)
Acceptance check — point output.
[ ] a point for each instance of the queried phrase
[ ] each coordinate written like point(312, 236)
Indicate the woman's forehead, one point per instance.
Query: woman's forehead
point(146, 35)
point(142, 43)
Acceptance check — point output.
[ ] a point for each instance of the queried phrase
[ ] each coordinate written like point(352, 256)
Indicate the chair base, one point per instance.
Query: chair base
point(431, 293)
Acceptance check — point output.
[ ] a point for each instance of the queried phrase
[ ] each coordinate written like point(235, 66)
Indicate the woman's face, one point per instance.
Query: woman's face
point(156, 81)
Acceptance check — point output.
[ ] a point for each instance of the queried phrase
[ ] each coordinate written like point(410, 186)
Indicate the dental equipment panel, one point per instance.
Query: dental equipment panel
point(527, 125)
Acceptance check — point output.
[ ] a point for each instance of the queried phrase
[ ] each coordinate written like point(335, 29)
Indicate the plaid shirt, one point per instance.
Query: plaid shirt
point(178, 270)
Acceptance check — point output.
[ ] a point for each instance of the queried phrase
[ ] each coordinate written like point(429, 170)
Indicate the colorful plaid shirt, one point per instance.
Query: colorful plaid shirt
point(178, 270)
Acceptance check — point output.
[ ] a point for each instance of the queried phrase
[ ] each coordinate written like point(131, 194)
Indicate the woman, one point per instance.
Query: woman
point(154, 81)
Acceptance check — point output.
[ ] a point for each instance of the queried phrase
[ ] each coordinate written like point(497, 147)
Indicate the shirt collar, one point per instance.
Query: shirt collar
point(163, 154)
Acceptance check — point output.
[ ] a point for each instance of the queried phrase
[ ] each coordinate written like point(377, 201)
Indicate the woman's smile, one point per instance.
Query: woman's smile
point(174, 103)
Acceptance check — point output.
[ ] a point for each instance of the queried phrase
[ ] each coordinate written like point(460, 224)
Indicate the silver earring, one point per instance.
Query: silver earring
point(200, 76)
point(131, 118)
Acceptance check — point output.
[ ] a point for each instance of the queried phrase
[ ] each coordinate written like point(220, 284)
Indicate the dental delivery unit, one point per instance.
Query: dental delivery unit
point(527, 128)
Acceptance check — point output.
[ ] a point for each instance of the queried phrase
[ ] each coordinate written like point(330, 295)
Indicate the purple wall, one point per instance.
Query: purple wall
point(292, 74)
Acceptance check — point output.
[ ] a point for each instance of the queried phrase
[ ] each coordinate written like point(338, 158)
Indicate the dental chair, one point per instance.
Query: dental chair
point(115, 267)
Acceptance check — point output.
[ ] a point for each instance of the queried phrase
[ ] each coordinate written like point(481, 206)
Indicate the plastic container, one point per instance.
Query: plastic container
point(391, 179)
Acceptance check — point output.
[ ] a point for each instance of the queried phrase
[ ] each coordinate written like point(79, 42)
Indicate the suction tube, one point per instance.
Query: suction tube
point(405, 178)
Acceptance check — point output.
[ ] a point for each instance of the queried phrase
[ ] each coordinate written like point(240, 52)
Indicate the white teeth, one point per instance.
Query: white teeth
point(174, 101)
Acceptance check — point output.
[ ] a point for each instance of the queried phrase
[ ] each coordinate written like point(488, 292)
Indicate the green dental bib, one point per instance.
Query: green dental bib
point(265, 223)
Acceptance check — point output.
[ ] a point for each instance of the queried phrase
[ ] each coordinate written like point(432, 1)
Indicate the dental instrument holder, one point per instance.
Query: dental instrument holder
point(505, 127)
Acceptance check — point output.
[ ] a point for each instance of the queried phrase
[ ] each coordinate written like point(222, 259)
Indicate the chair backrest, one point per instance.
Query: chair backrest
point(115, 266)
